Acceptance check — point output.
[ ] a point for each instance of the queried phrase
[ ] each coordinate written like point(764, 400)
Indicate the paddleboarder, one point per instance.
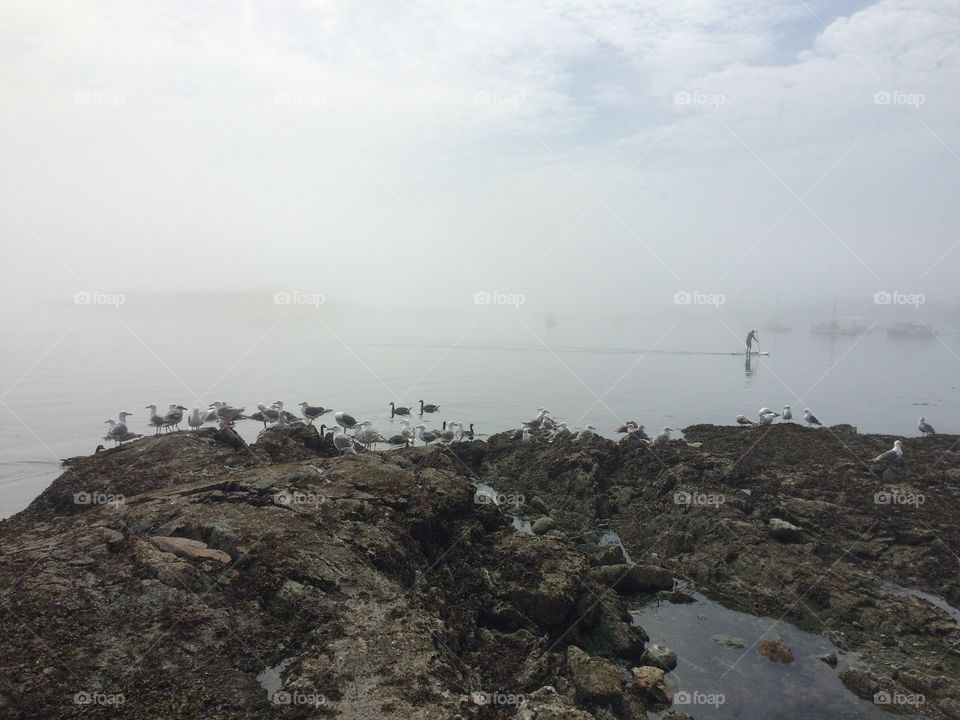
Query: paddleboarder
point(751, 336)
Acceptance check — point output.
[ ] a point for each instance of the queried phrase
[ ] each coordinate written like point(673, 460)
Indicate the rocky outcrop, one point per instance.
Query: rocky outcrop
point(191, 576)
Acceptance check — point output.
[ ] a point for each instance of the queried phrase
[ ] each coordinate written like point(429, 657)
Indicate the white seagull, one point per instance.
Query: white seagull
point(742, 420)
point(892, 455)
point(662, 437)
point(811, 418)
point(787, 414)
point(926, 428)
point(156, 421)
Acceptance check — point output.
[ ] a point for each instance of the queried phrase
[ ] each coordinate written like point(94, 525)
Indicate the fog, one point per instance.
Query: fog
point(590, 158)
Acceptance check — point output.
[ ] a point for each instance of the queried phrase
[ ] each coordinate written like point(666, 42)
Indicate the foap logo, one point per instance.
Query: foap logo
point(482, 297)
point(886, 697)
point(294, 98)
point(296, 697)
point(284, 297)
point(685, 297)
point(96, 497)
point(700, 499)
point(98, 698)
point(296, 498)
point(512, 499)
point(685, 697)
point(513, 100)
point(88, 97)
point(898, 497)
point(895, 297)
point(894, 97)
point(685, 97)
point(97, 297)
point(481, 697)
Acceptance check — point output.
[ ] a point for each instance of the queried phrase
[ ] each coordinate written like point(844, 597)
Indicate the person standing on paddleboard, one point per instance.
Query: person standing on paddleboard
point(751, 336)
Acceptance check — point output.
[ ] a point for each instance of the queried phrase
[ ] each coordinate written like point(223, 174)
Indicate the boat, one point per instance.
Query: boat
point(911, 330)
point(840, 326)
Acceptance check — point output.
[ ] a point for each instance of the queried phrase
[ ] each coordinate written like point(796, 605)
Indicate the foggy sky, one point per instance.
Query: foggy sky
point(586, 155)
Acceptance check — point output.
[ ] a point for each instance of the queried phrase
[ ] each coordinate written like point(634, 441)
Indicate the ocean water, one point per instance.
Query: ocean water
point(65, 370)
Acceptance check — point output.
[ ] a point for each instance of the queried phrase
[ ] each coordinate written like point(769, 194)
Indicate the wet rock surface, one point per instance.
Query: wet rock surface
point(186, 576)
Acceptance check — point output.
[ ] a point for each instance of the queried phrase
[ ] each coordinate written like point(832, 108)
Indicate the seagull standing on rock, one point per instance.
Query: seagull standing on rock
point(343, 442)
point(811, 418)
point(312, 412)
point(156, 421)
point(926, 428)
point(662, 438)
point(892, 455)
point(742, 420)
point(345, 420)
point(787, 414)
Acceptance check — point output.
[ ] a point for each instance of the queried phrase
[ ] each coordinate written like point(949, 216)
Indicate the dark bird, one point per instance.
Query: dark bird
point(398, 410)
point(428, 408)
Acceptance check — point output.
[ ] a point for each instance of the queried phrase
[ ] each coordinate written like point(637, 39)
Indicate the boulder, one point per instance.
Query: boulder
point(632, 578)
point(543, 525)
point(189, 549)
point(660, 656)
point(649, 683)
point(783, 531)
point(594, 679)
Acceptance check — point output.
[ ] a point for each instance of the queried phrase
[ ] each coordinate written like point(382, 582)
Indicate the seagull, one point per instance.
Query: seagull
point(368, 436)
point(586, 434)
point(561, 433)
point(312, 412)
point(767, 419)
point(811, 418)
point(787, 414)
point(118, 430)
point(926, 428)
point(891, 455)
point(537, 422)
point(767, 411)
point(406, 432)
point(343, 442)
point(525, 436)
point(662, 437)
point(174, 417)
point(345, 420)
point(225, 413)
point(428, 408)
point(742, 420)
point(446, 434)
point(394, 410)
point(290, 417)
point(628, 426)
point(156, 421)
point(195, 420)
point(425, 435)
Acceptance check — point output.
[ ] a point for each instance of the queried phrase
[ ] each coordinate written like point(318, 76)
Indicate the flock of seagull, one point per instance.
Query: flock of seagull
point(766, 416)
point(364, 434)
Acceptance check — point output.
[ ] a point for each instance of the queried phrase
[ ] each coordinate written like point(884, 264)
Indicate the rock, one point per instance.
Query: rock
point(674, 715)
point(783, 531)
point(728, 641)
point(775, 650)
point(860, 682)
point(649, 683)
point(543, 525)
point(536, 503)
point(632, 578)
point(950, 707)
point(660, 656)
point(594, 679)
point(830, 659)
point(608, 555)
point(189, 549)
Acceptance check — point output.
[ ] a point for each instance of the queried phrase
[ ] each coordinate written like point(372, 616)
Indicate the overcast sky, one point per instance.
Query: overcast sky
point(589, 153)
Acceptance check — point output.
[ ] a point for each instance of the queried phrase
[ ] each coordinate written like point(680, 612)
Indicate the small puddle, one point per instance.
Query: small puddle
point(935, 600)
point(720, 675)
